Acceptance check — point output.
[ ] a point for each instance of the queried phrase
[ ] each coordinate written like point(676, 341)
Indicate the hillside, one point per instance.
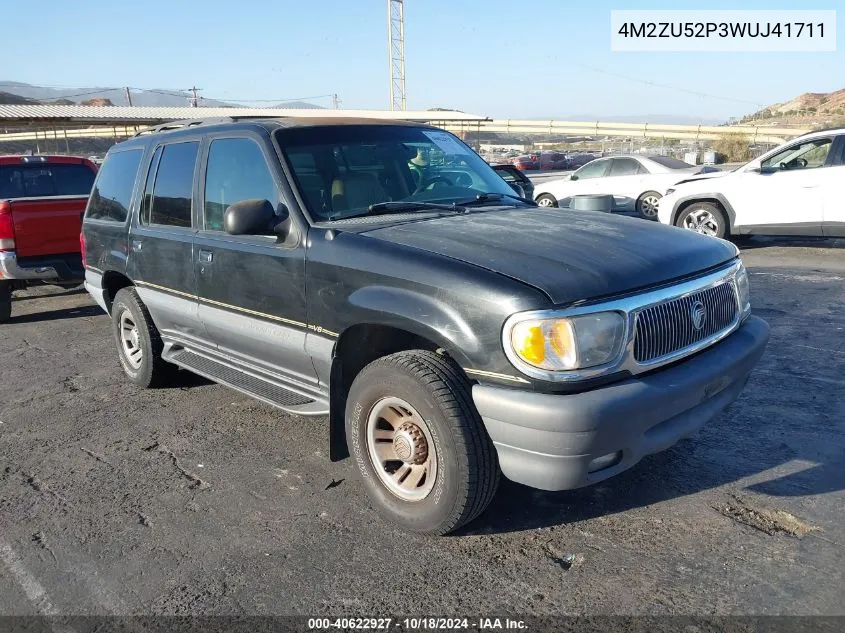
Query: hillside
point(811, 109)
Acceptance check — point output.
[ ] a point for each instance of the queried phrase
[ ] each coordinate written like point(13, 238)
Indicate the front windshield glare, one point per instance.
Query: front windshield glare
point(342, 170)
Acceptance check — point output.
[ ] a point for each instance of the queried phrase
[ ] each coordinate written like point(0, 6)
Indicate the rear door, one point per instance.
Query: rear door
point(161, 241)
point(251, 287)
point(624, 181)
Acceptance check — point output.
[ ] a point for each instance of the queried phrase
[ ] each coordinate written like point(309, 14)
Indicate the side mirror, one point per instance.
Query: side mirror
point(249, 217)
point(573, 177)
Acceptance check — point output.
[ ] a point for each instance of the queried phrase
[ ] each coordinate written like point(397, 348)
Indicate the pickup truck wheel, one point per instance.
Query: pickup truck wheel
point(705, 218)
point(5, 301)
point(138, 342)
point(546, 200)
point(420, 446)
point(647, 205)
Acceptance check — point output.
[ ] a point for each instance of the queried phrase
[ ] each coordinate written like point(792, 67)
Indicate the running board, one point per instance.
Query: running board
point(251, 384)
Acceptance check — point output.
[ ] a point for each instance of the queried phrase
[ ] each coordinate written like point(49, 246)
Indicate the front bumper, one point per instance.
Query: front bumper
point(9, 269)
point(561, 442)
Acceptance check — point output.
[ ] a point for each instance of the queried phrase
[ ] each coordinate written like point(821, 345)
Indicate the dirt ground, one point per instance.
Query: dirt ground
point(197, 500)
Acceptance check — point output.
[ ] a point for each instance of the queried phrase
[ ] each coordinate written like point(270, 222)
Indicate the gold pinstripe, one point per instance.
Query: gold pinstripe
point(272, 317)
point(492, 374)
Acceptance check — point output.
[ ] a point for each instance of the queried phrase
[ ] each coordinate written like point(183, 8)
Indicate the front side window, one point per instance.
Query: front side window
point(341, 170)
point(236, 171)
point(112, 192)
point(174, 184)
point(594, 169)
point(805, 155)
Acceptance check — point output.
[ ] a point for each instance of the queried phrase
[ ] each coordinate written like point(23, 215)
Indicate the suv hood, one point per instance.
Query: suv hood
point(569, 256)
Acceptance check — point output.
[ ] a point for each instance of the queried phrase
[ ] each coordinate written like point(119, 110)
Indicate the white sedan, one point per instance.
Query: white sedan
point(636, 182)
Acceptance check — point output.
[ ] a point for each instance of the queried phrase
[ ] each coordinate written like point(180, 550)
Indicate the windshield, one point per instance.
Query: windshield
point(341, 170)
point(671, 163)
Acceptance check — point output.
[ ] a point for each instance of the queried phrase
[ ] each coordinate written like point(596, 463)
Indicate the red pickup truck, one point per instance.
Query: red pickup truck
point(42, 199)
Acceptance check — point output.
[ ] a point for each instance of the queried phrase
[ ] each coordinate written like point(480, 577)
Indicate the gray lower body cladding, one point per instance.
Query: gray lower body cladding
point(562, 442)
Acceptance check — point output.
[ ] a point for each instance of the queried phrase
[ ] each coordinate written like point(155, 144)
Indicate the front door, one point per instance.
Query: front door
point(785, 197)
point(251, 287)
point(161, 242)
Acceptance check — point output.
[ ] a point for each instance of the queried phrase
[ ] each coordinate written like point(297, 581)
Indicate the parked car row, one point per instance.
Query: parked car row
point(794, 189)
point(551, 161)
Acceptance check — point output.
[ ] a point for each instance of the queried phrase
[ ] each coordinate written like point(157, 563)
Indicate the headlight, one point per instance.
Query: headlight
point(562, 344)
point(742, 291)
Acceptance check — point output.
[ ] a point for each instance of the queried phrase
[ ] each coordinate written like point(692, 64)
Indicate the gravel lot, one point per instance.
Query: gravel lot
point(197, 500)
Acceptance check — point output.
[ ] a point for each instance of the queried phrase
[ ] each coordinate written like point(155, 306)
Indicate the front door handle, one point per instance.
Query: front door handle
point(205, 257)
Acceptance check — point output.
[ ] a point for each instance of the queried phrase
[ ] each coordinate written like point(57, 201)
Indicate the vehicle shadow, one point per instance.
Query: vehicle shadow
point(67, 293)
point(185, 380)
point(56, 315)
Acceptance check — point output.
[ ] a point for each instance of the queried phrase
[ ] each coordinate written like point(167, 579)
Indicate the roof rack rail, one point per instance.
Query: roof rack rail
point(186, 123)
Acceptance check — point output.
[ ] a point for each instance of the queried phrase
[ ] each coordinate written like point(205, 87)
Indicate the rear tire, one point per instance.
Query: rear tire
point(5, 301)
point(705, 218)
point(420, 446)
point(546, 200)
point(138, 342)
point(647, 205)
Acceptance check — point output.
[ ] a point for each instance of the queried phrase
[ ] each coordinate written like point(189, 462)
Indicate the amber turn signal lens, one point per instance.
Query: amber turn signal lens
point(528, 341)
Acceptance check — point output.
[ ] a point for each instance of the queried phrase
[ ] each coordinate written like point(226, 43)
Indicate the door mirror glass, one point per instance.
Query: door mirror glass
point(249, 217)
point(573, 177)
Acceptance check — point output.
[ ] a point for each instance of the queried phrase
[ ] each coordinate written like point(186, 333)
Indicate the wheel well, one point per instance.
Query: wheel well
point(112, 283)
point(356, 348)
point(713, 201)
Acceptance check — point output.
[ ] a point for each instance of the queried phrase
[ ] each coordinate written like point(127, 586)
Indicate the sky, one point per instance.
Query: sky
point(499, 58)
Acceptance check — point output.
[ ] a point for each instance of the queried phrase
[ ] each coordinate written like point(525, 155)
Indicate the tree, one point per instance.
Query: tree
point(732, 148)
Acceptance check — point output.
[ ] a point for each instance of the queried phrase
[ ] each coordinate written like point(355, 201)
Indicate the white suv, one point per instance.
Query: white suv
point(795, 189)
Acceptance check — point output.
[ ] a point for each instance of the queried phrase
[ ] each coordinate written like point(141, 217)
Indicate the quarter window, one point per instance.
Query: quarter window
point(236, 171)
point(174, 183)
point(112, 192)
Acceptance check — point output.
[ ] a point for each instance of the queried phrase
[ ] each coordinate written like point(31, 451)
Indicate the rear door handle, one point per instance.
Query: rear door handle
point(205, 257)
point(137, 245)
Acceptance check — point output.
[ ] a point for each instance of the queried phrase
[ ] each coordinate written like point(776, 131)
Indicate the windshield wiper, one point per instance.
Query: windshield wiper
point(384, 208)
point(484, 198)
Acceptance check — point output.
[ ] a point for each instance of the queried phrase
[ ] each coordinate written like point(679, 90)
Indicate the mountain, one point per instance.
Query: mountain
point(16, 92)
point(810, 109)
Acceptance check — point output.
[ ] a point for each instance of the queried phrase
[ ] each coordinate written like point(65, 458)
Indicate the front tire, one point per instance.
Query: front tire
point(705, 218)
point(546, 200)
point(647, 205)
point(139, 344)
point(5, 301)
point(420, 446)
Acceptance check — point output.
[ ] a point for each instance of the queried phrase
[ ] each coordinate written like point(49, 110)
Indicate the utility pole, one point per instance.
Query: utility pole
point(128, 96)
point(194, 100)
point(335, 101)
point(396, 53)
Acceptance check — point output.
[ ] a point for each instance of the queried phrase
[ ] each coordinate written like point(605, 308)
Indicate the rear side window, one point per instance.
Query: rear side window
point(236, 171)
point(624, 167)
point(45, 180)
point(112, 192)
point(174, 185)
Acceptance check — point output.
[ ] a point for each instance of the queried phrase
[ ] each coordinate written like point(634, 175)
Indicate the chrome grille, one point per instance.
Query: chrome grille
point(668, 327)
